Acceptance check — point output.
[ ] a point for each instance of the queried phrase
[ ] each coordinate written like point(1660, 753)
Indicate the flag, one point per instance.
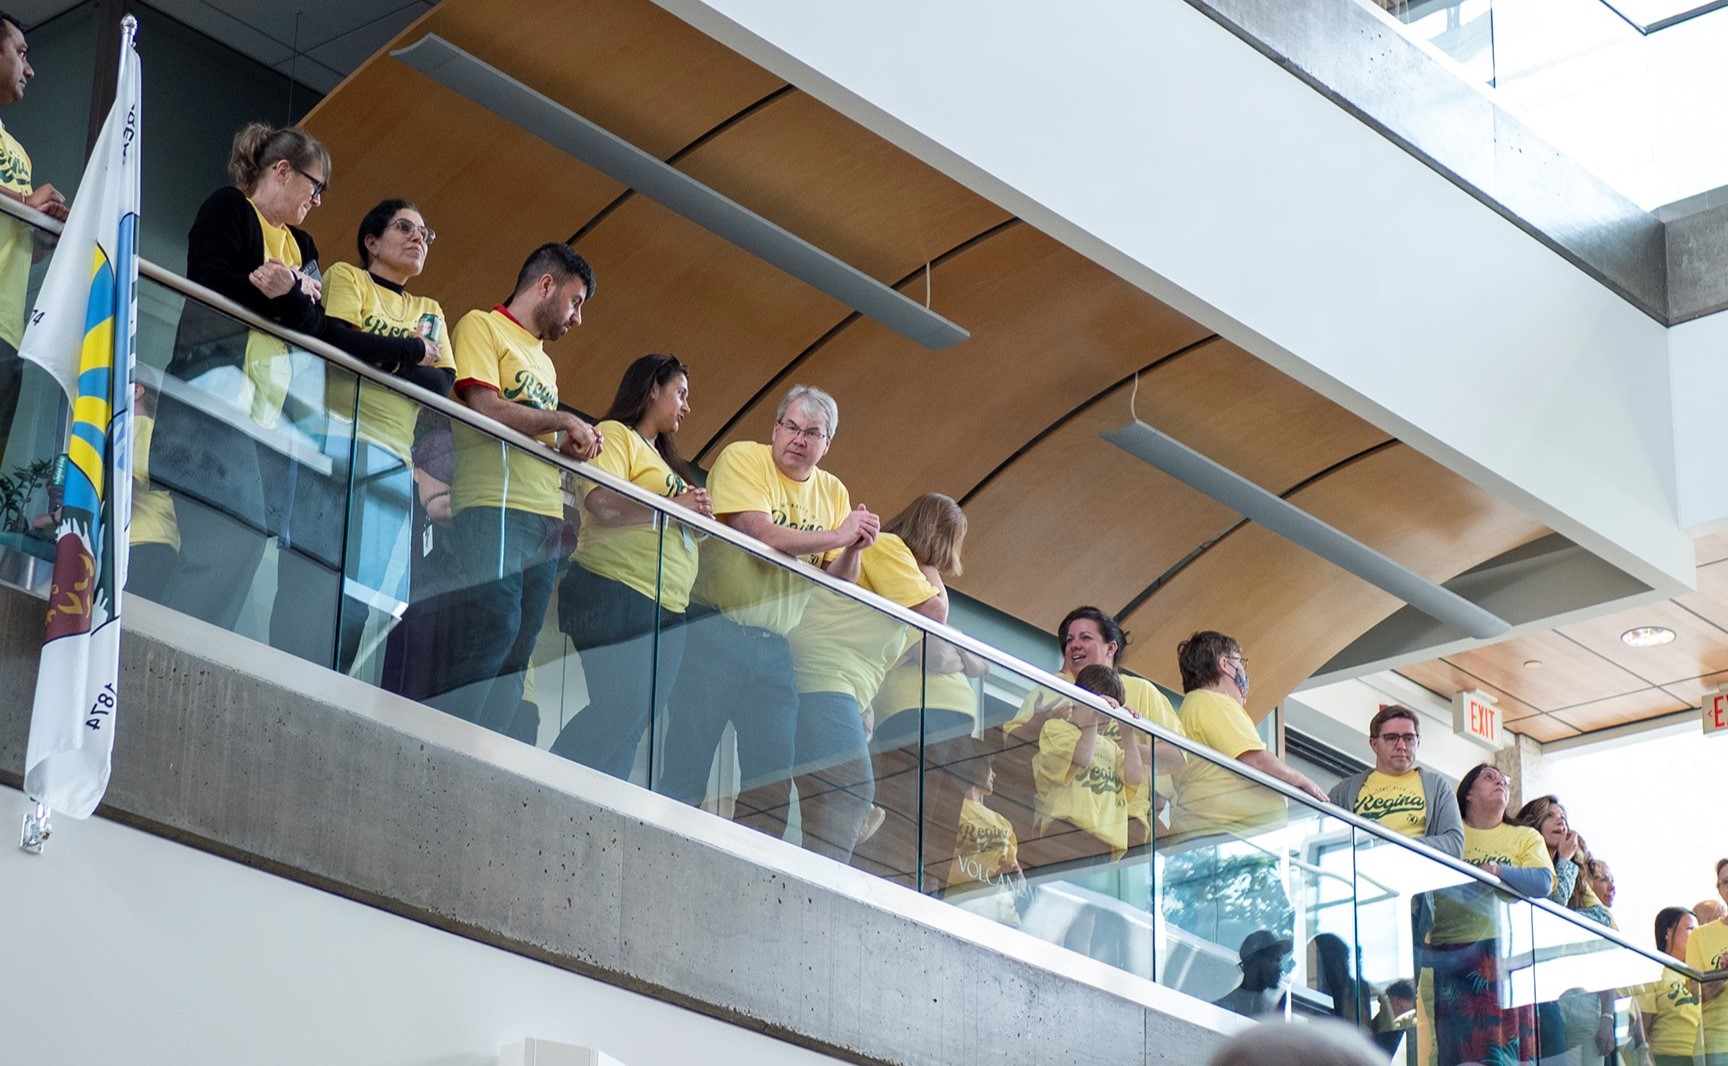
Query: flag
point(81, 332)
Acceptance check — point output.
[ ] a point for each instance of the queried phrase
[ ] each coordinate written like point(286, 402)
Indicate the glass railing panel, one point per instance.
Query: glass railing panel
point(1399, 892)
point(1255, 894)
point(920, 784)
point(618, 610)
point(242, 443)
point(768, 721)
point(1586, 987)
point(33, 413)
point(1073, 784)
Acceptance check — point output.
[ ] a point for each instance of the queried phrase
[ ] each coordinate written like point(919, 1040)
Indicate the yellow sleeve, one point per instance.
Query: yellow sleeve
point(1226, 729)
point(889, 570)
point(618, 455)
point(1534, 852)
point(738, 482)
point(1144, 698)
point(478, 358)
point(344, 296)
point(1055, 758)
point(839, 506)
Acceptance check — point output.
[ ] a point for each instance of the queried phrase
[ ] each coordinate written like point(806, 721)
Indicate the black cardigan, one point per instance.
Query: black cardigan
point(223, 248)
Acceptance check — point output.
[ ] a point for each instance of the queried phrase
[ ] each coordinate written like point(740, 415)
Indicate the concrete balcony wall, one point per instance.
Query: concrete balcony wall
point(242, 751)
point(1151, 138)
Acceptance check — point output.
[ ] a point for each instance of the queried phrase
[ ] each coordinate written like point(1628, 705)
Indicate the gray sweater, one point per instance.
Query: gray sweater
point(1445, 825)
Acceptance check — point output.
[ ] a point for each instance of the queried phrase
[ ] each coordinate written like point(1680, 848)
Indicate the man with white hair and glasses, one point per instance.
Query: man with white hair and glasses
point(737, 662)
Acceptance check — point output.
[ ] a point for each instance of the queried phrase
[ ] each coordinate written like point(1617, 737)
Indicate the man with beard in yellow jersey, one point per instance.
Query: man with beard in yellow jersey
point(737, 661)
point(507, 502)
point(17, 239)
point(1707, 950)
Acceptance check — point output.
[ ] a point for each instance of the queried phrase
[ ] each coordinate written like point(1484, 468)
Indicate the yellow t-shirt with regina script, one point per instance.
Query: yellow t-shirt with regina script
point(1470, 913)
point(1094, 798)
point(638, 554)
point(16, 241)
point(382, 417)
point(1671, 999)
point(846, 646)
point(1396, 802)
point(749, 591)
point(494, 351)
point(267, 364)
point(1706, 950)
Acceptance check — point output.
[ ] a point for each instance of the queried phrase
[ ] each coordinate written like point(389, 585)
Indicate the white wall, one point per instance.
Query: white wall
point(1698, 354)
point(1152, 140)
point(122, 947)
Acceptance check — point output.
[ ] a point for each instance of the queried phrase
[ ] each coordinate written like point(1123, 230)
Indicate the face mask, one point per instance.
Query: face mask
point(1242, 679)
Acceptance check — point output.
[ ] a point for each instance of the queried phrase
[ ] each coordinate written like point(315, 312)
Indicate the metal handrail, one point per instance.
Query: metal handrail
point(461, 413)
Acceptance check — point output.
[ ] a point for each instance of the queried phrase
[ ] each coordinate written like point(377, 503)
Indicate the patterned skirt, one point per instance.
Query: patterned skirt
point(1470, 1024)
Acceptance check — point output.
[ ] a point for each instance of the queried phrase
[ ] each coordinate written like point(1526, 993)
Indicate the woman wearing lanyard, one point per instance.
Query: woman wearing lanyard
point(622, 604)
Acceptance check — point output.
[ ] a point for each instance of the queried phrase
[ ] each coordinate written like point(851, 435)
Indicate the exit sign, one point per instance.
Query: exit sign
point(1715, 711)
point(1475, 718)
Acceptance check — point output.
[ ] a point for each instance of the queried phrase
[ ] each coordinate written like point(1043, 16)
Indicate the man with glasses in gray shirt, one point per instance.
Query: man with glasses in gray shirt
point(1405, 798)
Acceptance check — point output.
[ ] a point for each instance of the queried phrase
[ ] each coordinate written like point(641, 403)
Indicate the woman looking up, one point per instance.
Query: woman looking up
point(1470, 1024)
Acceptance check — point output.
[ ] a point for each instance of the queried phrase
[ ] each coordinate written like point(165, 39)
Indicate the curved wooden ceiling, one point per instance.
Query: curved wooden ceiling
point(1008, 420)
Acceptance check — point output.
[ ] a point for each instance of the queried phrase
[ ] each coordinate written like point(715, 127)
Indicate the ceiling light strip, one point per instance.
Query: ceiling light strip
point(670, 187)
point(1231, 489)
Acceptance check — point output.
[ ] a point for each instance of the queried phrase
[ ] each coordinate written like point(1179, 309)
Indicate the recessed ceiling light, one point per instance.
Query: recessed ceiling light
point(1647, 636)
point(1532, 664)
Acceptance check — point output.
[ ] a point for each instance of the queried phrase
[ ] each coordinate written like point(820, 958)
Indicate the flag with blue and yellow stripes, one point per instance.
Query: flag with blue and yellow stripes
point(81, 331)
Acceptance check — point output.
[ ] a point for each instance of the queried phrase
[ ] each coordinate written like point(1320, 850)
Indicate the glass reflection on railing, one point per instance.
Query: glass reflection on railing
point(291, 500)
point(33, 415)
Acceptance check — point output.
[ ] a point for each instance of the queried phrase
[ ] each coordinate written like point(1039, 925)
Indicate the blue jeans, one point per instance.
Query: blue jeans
point(631, 650)
point(836, 783)
point(512, 559)
point(742, 675)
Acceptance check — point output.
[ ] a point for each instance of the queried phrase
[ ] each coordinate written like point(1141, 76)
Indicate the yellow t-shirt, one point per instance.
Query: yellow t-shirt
point(1212, 798)
point(1145, 700)
point(984, 847)
point(1470, 912)
point(1094, 799)
point(384, 418)
point(153, 520)
point(267, 364)
point(16, 241)
point(636, 554)
point(1398, 803)
point(1675, 1005)
point(749, 591)
point(1708, 950)
point(494, 351)
point(846, 646)
point(907, 687)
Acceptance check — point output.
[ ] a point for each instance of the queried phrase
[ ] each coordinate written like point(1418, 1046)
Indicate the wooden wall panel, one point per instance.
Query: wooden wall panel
point(492, 192)
point(667, 285)
point(852, 194)
point(1050, 329)
point(1208, 398)
point(1293, 611)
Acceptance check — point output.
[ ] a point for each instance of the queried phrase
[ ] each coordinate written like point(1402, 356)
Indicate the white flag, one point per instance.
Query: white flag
point(81, 331)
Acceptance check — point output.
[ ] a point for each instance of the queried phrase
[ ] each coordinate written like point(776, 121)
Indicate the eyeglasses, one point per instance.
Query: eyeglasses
point(1399, 738)
point(408, 229)
point(812, 434)
point(318, 187)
